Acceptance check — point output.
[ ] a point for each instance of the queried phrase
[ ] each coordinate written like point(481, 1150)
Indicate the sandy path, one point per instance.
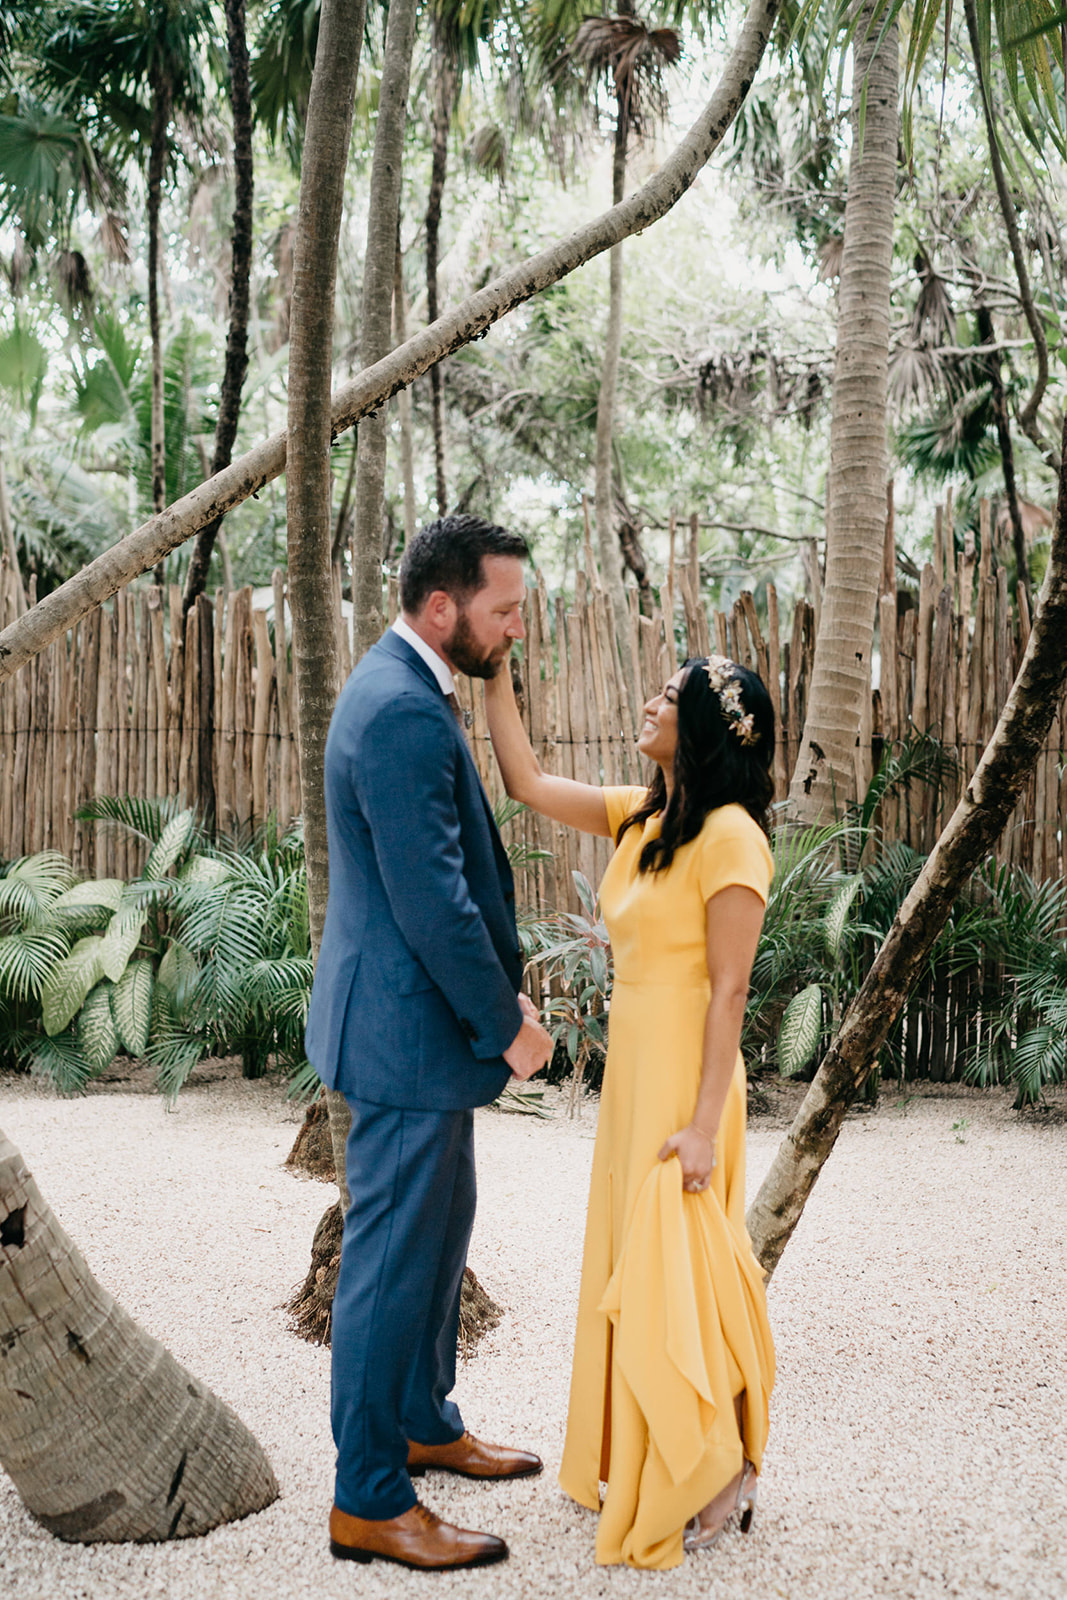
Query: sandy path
point(919, 1429)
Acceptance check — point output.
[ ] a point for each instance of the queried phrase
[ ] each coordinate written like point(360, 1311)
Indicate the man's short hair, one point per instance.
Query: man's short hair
point(447, 554)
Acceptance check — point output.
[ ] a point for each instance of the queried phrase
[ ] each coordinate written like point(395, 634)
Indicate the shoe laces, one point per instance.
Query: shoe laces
point(430, 1518)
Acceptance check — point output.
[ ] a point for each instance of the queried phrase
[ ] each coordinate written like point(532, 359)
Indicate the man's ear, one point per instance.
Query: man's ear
point(440, 610)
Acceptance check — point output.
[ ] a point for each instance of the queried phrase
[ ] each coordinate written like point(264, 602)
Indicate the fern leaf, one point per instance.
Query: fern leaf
point(26, 959)
point(144, 818)
point(171, 843)
point(32, 883)
point(131, 1002)
point(60, 1061)
point(800, 1031)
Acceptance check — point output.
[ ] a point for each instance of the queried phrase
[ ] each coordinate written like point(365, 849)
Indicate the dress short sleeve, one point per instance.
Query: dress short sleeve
point(734, 851)
point(621, 803)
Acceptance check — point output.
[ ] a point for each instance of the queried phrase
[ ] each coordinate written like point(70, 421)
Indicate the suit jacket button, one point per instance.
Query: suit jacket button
point(468, 1028)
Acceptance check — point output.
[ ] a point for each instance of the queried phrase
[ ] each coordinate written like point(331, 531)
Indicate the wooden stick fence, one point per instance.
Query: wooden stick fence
point(129, 702)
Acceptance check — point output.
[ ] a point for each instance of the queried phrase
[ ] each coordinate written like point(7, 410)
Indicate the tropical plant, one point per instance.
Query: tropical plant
point(572, 956)
point(1020, 925)
point(237, 973)
point(76, 967)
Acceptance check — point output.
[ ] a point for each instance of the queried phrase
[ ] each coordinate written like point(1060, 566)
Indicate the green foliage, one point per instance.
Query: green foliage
point(800, 1032)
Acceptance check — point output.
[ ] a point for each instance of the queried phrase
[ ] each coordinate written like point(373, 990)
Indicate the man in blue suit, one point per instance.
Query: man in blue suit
point(416, 1017)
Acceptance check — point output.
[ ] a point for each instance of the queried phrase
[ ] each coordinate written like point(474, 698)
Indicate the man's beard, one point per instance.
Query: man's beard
point(465, 655)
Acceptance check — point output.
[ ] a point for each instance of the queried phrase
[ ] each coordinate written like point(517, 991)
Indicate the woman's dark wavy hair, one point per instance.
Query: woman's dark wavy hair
point(712, 767)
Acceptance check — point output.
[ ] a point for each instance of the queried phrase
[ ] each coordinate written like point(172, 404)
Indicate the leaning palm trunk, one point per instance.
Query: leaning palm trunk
point(103, 1434)
point(376, 317)
point(610, 556)
point(157, 155)
point(825, 777)
point(970, 834)
point(236, 362)
point(372, 387)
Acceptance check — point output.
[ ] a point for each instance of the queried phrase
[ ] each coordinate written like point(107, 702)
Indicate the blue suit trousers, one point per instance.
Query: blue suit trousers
point(396, 1307)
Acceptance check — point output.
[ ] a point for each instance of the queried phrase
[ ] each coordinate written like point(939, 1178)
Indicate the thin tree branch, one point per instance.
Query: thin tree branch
point(370, 388)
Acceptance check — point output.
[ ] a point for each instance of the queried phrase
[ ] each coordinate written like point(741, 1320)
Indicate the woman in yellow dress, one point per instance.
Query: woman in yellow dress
point(673, 1361)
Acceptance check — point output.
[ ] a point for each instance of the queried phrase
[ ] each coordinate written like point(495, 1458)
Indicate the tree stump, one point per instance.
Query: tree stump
point(312, 1150)
point(311, 1306)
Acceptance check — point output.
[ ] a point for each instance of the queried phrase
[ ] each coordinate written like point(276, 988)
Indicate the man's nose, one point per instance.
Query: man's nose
point(516, 629)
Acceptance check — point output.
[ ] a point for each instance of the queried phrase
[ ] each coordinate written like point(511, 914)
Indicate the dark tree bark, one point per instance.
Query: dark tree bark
point(1007, 453)
point(376, 319)
point(1029, 415)
point(445, 90)
point(236, 364)
point(157, 156)
point(970, 834)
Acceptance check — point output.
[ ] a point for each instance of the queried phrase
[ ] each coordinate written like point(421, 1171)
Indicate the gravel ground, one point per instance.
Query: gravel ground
point(919, 1429)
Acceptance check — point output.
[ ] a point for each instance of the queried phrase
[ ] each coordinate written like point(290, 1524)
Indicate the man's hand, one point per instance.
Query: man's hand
point(530, 1050)
point(528, 1008)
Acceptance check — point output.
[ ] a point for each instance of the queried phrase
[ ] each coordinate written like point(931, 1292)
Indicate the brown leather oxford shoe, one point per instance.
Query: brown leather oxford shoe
point(469, 1457)
point(416, 1539)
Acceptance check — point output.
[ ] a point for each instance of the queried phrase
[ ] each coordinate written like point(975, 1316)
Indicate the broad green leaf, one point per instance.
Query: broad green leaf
point(94, 892)
point(178, 971)
point(131, 1002)
point(172, 841)
point(836, 917)
point(119, 942)
point(800, 1030)
point(598, 963)
point(64, 990)
point(203, 869)
point(98, 1037)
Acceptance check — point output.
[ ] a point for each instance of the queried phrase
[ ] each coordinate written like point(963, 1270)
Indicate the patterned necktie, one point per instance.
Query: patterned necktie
point(462, 717)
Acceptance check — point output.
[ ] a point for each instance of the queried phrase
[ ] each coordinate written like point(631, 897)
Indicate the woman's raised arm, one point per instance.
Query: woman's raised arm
point(576, 805)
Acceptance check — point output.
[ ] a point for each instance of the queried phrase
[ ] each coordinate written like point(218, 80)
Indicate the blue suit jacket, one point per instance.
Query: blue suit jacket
point(415, 989)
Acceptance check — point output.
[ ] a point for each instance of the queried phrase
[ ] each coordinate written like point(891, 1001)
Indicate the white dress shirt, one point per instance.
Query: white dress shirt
point(440, 668)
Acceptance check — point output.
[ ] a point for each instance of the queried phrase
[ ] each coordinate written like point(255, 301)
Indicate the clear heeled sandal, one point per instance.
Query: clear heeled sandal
point(699, 1537)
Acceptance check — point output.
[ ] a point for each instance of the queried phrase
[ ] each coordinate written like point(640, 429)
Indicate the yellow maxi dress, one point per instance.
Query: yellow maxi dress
point(672, 1316)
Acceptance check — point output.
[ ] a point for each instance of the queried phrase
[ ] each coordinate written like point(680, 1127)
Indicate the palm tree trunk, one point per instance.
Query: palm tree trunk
point(103, 1434)
point(446, 87)
point(970, 834)
point(373, 386)
point(309, 476)
point(157, 156)
point(403, 399)
point(236, 363)
point(608, 544)
point(825, 777)
point(376, 319)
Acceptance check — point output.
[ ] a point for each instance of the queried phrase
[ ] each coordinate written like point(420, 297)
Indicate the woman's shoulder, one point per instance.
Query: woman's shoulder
point(732, 822)
point(621, 801)
point(733, 849)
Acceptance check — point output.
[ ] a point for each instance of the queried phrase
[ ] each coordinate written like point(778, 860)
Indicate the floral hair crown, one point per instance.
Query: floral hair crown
point(721, 675)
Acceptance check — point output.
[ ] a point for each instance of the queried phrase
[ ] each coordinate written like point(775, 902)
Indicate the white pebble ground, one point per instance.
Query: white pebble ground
point(919, 1425)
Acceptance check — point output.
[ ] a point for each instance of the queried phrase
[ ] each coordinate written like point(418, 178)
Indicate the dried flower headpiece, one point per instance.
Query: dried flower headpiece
point(720, 671)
